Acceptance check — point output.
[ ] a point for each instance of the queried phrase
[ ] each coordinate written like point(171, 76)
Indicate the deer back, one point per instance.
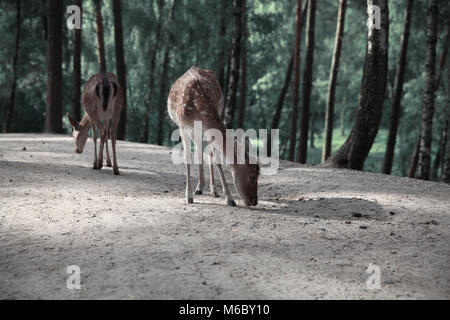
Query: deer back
point(195, 96)
point(102, 96)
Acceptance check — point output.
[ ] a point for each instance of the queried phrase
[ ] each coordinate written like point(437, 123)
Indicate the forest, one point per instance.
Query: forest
point(299, 66)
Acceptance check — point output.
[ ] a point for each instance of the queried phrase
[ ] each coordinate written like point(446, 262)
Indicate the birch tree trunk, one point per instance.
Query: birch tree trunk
point(243, 76)
point(398, 91)
point(423, 170)
point(12, 96)
point(307, 83)
point(295, 94)
point(152, 72)
point(233, 81)
point(329, 110)
point(162, 93)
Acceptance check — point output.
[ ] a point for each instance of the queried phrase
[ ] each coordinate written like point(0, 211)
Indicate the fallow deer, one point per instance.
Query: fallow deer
point(197, 96)
point(102, 100)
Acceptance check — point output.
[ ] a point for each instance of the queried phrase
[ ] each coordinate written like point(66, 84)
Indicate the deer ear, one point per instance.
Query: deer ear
point(73, 122)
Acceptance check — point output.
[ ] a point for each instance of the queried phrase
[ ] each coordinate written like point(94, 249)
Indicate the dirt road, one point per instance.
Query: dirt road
point(313, 234)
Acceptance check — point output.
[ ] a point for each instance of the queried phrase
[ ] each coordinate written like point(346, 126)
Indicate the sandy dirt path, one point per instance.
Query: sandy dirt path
point(313, 234)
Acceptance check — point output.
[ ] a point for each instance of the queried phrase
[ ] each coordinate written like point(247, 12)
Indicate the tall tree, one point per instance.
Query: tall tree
point(398, 90)
point(287, 80)
point(163, 80)
point(76, 96)
point(415, 155)
point(307, 83)
point(329, 111)
point(298, 31)
point(243, 70)
point(423, 170)
point(100, 37)
point(120, 66)
point(152, 71)
point(53, 117)
point(353, 153)
point(440, 154)
point(446, 158)
point(233, 80)
point(222, 47)
point(12, 96)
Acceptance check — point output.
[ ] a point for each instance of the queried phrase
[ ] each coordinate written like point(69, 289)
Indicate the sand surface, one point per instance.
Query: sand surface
point(313, 234)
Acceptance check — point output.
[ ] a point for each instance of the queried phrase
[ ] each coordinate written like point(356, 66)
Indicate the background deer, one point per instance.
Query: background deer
point(102, 99)
point(197, 96)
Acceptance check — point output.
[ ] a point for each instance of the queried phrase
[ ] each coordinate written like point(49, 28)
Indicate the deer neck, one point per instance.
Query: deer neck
point(84, 126)
point(226, 150)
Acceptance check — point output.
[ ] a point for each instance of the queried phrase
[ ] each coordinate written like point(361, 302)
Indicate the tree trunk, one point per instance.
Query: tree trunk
point(443, 56)
point(120, 66)
point(307, 83)
point(440, 152)
point(415, 156)
point(12, 96)
point(76, 96)
point(222, 33)
point(243, 70)
point(287, 80)
point(163, 81)
point(355, 150)
point(312, 131)
point(446, 165)
point(100, 37)
point(446, 158)
point(234, 64)
point(53, 119)
point(423, 170)
point(298, 31)
point(329, 111)
point(152, 72)
point(398, 91)
point(414, 160)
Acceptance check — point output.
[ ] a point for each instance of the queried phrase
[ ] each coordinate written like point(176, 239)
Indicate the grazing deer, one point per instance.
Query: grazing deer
point(102, 99)
point(197, 96)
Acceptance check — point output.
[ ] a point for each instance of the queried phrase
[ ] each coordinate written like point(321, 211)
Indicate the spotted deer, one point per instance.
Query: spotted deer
point(197, 96)
point(102, 100)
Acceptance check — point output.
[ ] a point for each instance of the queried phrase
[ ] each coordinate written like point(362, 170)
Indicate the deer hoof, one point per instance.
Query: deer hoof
point(95, 166)
point(116, 172)
point(108, 164)
point(198, 192)
point(99, 165)
point(231, 203)
point(190, 200)
point(215, 194)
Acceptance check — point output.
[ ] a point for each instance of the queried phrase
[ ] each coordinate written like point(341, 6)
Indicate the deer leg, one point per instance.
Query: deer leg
point(212, 185)
point(102, 142)
point(108, 136)
point(187, 157)
point(230, 200)
point(94, 139)
point(113, 144)
point(201, 176)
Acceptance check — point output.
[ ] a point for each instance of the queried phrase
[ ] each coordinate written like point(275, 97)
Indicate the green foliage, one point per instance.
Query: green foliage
point(196, 41)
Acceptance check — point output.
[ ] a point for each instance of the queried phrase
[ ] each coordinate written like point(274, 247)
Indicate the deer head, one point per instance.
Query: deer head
point(245, 177)
point(79, 132)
